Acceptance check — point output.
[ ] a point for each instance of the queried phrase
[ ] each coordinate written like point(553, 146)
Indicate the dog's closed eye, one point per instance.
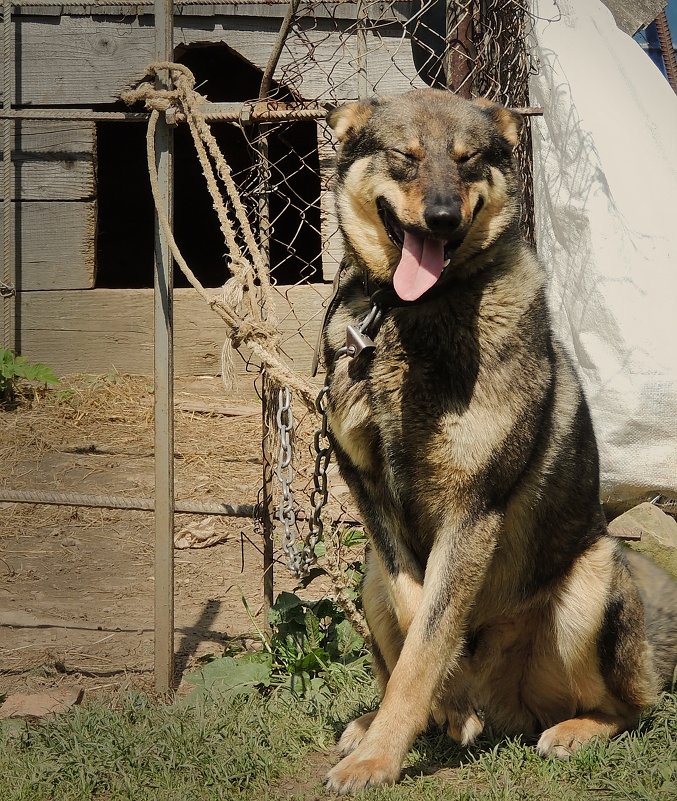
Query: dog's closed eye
point(403, 155)
point(463, 158)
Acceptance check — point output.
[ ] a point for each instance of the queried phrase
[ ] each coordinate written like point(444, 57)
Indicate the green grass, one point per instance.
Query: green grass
point(265, 749)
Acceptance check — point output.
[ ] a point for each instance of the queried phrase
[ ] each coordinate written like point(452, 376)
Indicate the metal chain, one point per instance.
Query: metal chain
point(299, 561)
point(285, 475)
point(320, 493)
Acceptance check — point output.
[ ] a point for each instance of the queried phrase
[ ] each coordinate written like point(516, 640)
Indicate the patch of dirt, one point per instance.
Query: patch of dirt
point(76, 584)
point(310, 785)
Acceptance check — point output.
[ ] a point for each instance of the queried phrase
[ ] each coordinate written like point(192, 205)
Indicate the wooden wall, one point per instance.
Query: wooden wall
point(97, 330)
point(55, 220)
point(83, 60)
point(87, 59)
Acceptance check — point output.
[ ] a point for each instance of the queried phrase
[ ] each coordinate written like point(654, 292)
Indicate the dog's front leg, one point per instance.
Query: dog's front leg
point(456, 567)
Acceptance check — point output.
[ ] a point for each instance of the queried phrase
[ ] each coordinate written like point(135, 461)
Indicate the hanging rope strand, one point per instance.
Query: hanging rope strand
point(244, 328)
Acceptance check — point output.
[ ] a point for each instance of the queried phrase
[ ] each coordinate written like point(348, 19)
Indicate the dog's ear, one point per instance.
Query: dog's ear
point(508, 121)
point(348, 120)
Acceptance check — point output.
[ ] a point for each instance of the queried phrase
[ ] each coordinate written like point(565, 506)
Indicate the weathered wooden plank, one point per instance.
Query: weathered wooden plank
point(51, 180)
point(84, 60)
point(101, 329)
point(335, 9)
point(332, 245)
point(55, 244)
point(53, 160)
point(54, 138)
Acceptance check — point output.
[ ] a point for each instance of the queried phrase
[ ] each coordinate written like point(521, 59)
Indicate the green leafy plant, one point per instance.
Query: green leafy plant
point(14, 369)
point(312, 646)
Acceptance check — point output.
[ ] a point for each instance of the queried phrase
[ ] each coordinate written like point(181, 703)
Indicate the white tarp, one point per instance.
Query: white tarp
point(605, 182)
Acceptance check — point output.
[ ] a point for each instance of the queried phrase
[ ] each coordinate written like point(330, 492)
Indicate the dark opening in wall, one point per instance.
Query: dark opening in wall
point(125, 205)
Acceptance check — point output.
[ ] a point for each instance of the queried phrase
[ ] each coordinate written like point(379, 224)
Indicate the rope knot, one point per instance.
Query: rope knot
point(247, 331)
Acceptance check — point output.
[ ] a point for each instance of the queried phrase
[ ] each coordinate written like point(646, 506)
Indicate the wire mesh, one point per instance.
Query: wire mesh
point(340, 51)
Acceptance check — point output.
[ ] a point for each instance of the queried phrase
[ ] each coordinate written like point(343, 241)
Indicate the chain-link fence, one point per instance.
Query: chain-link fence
point(281, 154)
point(332, 52)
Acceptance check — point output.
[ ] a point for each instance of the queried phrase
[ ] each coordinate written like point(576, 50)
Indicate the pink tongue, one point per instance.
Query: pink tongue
point(421, 265)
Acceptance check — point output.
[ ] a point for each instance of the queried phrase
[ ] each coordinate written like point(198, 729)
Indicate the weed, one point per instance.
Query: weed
point(14, 369)
point(312, 649)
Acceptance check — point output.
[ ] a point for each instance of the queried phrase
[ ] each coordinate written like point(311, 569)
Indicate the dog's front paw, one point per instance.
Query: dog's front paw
point(354, 733)
point(363, 768)
point(569, 735)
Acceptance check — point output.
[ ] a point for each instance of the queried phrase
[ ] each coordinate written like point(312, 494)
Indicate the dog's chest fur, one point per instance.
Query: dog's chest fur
point(433, 416)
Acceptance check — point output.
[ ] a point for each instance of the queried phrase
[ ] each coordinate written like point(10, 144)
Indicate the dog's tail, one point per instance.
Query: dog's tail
point(658, 590)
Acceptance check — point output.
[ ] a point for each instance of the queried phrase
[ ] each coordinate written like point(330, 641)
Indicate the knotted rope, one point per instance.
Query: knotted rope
point(246, 304)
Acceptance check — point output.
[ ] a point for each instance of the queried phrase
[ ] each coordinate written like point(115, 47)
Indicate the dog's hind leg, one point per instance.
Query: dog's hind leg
point(619, 661)
point(354, 732)
point(386, 632)
point(456, 710)
point(566, 737)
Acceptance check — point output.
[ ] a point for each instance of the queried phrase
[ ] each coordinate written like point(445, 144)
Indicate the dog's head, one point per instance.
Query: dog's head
point(424, 181)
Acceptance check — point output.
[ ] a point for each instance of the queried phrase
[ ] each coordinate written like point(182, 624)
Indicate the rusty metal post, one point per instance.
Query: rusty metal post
point(267, 391)
point(268, 395)
point(266, 508)
point(8, 283)
point(667, 49)
point(459, 43)
point(361, 41)
point(164, 381)
point(267, 505)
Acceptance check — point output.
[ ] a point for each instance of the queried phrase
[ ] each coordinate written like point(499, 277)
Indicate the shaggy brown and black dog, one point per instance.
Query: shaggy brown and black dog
point(493, 591)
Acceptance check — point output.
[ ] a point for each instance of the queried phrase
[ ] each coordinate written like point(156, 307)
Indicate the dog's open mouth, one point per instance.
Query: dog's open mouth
point(423, 258)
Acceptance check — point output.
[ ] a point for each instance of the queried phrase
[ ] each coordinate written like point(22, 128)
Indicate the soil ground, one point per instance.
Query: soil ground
point(76, 584)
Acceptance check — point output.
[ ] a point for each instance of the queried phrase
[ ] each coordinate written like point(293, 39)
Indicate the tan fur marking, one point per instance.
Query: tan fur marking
point(357, 211)
point(461, 149)
point(492, 218)
point(382, 620)
point(509, 124)
point(578, 617)
point(566, 737)
point(351, 431)
point(406, 596)
point(347, 120)
point(415, 148)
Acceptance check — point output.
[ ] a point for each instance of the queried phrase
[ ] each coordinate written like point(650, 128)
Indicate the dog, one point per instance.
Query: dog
point(493, 592)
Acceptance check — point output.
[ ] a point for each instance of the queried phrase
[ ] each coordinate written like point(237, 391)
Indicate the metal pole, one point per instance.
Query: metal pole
point(267, 390)
point(459, 46)
point(123, 502)
point(267, 395)
point(267, 505)
point(667, 48)
point(8, 285)
point(361, 41)
point(164, 381)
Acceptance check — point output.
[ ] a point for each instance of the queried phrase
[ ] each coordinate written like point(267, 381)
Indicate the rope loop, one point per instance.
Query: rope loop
point(247, 303)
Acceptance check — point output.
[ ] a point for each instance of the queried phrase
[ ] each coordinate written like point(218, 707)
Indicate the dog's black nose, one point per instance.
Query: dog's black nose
point(442, 218)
